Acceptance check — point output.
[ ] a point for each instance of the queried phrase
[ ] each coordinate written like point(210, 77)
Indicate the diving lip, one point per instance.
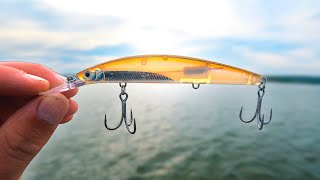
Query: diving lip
point(64, 87)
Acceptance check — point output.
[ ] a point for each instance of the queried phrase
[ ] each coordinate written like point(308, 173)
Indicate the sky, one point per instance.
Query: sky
point(274, 37)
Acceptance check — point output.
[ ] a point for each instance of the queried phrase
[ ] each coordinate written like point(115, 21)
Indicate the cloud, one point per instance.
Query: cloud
point(267, 36)
point(166, 14)
point(161, 26)
point(298, 61)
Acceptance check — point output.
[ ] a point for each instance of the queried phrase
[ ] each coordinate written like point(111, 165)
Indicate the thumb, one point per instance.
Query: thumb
point(27, 131)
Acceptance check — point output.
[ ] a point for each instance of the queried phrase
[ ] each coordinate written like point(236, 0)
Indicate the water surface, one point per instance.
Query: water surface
point(184, 133)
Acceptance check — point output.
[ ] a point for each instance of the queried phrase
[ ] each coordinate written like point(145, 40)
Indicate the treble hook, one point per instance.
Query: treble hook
point(257, 114)
point(123, 97)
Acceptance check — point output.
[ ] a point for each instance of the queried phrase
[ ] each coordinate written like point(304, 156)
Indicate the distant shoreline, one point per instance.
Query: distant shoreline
point(294, 79)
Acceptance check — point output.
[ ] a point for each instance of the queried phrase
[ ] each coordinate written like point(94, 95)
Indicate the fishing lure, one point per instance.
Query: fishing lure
point(165, 69)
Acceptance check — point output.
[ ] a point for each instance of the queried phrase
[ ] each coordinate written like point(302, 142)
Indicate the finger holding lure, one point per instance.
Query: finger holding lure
point(165, 69)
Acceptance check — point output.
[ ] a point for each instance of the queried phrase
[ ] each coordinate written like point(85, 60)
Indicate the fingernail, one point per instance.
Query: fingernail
point(53, 108)
point(35, 78)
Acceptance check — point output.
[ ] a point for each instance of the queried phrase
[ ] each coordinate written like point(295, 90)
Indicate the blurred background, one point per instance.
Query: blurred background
point(182, 133)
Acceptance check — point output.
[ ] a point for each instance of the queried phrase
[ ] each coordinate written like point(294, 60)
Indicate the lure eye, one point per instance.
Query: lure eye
point(90, 76)
point(87, 74)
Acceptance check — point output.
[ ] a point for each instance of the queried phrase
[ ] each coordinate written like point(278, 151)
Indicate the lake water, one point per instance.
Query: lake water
point(184, 133)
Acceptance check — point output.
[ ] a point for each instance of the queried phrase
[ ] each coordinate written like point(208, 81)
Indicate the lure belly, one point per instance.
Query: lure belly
point(165, 69)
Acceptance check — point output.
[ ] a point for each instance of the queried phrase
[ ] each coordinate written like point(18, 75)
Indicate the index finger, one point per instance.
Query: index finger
point(37, 70)
point(41, 71)
point(15, 82)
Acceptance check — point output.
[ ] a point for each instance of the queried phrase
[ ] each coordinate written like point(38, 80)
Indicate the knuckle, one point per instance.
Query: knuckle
point(22, 147)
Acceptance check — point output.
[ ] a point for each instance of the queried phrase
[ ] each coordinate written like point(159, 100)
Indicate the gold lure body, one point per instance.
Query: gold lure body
point(167, 69)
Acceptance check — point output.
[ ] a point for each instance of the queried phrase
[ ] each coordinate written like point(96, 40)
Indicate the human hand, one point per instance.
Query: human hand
point(27, 120)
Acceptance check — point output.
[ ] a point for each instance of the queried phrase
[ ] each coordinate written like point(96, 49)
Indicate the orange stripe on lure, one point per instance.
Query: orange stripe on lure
point(165, 69)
